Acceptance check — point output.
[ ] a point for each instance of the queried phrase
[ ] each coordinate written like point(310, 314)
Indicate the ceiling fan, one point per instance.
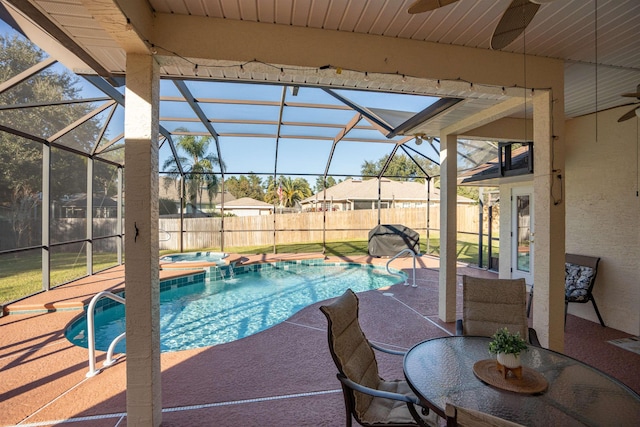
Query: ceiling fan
point(636, 110)
point(512, 23)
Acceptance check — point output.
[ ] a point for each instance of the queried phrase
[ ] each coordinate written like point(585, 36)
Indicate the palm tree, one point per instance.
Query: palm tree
point(294, 190)
point(198, 165)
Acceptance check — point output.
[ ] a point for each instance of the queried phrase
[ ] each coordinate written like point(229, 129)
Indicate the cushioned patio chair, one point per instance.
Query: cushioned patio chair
point(464, 417)
point(580, 276)
point(371, 400)
point(492, 304)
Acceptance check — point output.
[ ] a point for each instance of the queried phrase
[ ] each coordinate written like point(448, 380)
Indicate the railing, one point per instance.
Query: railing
point(91, 333)
point(413, 254)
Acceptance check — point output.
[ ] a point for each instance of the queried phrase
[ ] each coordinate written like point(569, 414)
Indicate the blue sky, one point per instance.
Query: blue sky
point(258, 154)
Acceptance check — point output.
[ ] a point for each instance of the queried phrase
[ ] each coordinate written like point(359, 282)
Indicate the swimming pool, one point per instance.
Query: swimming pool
point(233, 306)
point(214, 257)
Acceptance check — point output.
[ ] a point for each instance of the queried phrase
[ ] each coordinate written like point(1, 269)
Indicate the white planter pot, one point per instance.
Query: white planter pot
point(509, 360)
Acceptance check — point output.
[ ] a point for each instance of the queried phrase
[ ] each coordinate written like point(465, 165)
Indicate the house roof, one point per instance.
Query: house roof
point(489, 173)
point(354, 189)
point(247, 203)
point(169, 190)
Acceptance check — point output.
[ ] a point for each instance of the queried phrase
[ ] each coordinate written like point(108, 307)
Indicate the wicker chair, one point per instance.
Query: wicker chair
point(492, 304)
point(371, 400)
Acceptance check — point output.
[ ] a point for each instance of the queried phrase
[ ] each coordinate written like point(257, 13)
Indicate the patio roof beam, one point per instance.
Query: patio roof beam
point(52, 103)
point(433, 110)
point(109, 143)
point(283, 96)
point(188, 97)
point(103, 130)
point(114, 94)
point(372, 118)
point(28, 9)
point(260, 103)
point(339, 137)
point(386, 165)
point(81, 120)
point(486, 116)
point(20, 77)
point(404, 148)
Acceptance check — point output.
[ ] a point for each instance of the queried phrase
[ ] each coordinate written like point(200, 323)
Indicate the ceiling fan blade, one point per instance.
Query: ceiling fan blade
point(420, 6)
point(632, 94)
point(513, 22)
point(630, 115)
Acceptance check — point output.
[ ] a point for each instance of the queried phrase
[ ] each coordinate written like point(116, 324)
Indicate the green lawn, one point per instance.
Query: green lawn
point(20, 274)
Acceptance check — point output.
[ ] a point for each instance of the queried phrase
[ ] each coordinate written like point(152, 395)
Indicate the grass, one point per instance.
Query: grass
point(21, 273)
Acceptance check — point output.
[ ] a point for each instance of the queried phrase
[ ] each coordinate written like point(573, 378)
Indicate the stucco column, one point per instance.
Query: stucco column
point(144, 403)
point(549, 214)
point(448, 228)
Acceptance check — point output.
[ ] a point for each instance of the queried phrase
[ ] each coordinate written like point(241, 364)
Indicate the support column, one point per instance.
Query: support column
point(549, 216)
point(144, 403)
point(448, 227)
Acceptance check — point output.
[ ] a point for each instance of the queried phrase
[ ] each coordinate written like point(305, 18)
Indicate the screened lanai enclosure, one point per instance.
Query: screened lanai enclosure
point(243, 165)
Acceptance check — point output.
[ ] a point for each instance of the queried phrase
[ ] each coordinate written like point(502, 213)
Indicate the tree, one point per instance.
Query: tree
point(244, 186)
point(292, 190)
point(21, 158)
point(401, 168)
point(321, 183)
point(198, 165)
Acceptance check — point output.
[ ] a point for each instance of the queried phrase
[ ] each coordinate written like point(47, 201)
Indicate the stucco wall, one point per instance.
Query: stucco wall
point(602, 212)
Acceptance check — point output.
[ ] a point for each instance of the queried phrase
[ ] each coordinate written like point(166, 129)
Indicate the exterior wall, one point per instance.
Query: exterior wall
point(504, 271)
point(603, 215)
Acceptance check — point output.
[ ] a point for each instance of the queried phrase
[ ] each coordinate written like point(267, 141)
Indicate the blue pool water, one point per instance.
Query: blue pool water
point(206, 313)
point(215, 257)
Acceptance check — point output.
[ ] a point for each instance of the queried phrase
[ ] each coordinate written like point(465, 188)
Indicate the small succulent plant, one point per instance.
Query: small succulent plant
point(504, 341)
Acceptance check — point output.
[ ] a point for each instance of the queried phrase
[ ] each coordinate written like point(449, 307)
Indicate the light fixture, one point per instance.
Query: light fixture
point(419, 138)
point(366, 76)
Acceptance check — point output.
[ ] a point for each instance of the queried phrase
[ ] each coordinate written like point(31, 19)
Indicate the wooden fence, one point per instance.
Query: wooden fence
point(301, 227)
point(262, 230)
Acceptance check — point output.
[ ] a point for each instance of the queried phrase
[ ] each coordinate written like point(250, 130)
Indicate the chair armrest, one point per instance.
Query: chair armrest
point(387, 350)
point(533, 338)
point(378, 393)
point(459, 327)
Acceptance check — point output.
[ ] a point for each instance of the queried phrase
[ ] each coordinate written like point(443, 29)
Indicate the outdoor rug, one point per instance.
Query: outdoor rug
point(631, 344)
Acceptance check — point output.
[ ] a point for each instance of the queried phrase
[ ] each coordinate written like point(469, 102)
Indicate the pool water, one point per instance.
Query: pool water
point(214, 257)
point(207, 313)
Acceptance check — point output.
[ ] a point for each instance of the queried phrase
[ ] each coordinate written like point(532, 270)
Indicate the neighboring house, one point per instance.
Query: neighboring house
point(169, 191)
point(246, 206)
point(357, 194)
point(76, 207)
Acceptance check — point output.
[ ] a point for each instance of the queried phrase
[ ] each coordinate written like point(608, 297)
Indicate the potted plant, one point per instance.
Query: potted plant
point(507, 347)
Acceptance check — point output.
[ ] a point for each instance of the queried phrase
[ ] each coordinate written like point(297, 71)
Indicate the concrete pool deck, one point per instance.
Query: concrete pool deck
point(283, 376)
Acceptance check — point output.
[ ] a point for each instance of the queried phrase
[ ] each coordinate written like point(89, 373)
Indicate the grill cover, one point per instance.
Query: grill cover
point(389, 239)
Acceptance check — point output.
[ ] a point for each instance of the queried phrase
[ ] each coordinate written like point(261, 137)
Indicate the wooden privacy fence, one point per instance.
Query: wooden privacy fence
point(302, 227)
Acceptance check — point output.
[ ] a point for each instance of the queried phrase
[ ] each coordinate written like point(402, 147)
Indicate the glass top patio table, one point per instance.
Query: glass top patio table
point(441, 370)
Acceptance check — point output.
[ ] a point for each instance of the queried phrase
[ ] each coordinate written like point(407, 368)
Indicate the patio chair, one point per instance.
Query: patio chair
point(580, 276)
point(371, 400)
point(492, 304)
point(465, 417)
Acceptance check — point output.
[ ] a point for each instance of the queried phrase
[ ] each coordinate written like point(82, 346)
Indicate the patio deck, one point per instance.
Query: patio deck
point(283, 376)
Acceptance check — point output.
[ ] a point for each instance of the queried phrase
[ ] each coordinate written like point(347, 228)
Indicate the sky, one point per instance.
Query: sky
point(257, 154)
